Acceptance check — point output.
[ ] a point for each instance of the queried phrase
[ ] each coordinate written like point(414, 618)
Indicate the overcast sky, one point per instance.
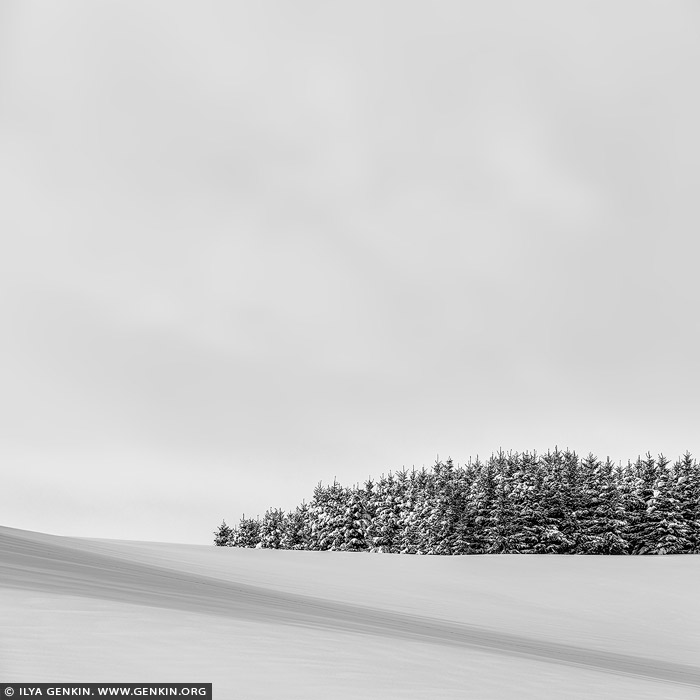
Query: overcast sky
point(249, 246)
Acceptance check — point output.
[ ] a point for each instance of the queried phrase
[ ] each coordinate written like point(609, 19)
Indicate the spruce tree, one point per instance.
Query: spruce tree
point(411, 536)
point(272, 529)
point(502, 534)
point(383, 529)
point(296, 529)
point(247, 534)
point(223, 536)
point(532, 519)
point(637, 489)
point(558, 497)
point(465, 525)
point(602, 516)
point(482, 497)
point(571, 500)
point(686, 474)
point(355, 523)
point(328, 508)
point(665, 530)
point(441, 515)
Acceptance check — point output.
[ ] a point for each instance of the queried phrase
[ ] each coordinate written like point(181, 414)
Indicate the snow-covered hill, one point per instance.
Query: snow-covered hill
point(270, 624)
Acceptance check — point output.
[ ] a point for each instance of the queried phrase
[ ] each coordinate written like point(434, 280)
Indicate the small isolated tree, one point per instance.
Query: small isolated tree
point(223, 537)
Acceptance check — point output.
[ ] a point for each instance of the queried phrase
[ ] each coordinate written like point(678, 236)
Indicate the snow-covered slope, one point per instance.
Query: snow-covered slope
point(269, 624)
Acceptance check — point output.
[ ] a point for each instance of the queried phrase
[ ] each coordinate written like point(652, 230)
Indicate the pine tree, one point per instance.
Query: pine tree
point(441, 513)
point(665, 531)
point(502, 533)
point(559, 469)
point(327, 512)
point(637, 489)
point(571, 500)
point(465, 523)
point(272, 529)
point(356, 522)
point(223, 537)
point(482, 497)
point(247, 534)
point(403, 492)
point(602, 516)
point(531, 514)
point(383, 528)
point(411, 536)
point(686, 475)
point(296, 529)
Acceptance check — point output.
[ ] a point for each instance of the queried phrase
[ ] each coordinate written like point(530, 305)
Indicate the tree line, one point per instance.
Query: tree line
point(511, 503)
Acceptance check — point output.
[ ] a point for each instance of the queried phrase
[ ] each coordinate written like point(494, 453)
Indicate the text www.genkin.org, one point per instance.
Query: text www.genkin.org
point(201, 691)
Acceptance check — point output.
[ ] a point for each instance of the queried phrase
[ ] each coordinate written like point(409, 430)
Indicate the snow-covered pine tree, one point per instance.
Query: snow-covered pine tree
point(571, 496)
point(531, 514)
point(356, 522)
point(686, 475)
point(557, 499)
point(382, 532)
point(612, 509)
point(482, 497)
point(247, 534)
point(296, 530)
point(561, 485)
point(665, 531)
point(637, 488)
point(327, 512)
point(404, 495)
point(223, 536)
point(525, 512)
point(316, 516)
point(272, 529)
point(424, 500)
point(502, 532)
point(465, 526)
point(601, 514)
point(440, 512)
point(368, 492)
point(586, 515)
point(411, 529)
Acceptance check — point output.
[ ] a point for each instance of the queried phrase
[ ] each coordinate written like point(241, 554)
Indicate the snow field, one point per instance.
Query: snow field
point(57, 626)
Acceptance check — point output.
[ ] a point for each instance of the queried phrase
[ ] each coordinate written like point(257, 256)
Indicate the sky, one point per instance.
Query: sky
point(248, 247)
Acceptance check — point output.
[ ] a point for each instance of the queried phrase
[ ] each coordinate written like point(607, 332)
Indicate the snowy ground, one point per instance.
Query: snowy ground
point(276, 624)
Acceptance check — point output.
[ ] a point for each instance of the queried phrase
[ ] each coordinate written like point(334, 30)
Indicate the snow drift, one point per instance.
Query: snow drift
point(258, 623)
